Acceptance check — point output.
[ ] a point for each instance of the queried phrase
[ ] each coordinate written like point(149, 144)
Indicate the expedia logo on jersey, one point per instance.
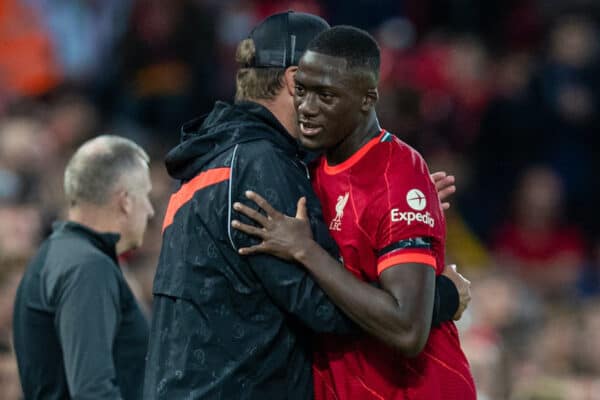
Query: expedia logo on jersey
point(417, 201)
point(409, 217)
point(336, 223)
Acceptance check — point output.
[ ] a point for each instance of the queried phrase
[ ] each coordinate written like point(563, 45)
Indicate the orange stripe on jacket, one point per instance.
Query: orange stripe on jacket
point(187, 191)
point(403, 258)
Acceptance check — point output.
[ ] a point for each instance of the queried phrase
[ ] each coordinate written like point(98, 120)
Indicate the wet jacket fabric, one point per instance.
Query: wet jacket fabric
point(78, 331)
point(226, 326)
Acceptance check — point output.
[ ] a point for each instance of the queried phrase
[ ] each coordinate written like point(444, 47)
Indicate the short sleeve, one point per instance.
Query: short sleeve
point(409, 215)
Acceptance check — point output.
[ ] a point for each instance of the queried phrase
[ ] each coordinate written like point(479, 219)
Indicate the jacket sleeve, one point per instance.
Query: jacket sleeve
point(87, 316)
point(282, 182)
point(445, 302)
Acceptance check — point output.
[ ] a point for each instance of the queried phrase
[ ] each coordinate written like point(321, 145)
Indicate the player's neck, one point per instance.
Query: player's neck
point(354, 141)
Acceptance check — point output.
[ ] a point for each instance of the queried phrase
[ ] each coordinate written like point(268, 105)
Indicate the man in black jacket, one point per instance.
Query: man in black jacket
point(78, 331)
point(225, 326)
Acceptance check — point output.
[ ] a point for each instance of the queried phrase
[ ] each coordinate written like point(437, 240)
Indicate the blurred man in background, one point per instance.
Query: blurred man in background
point(78, 330)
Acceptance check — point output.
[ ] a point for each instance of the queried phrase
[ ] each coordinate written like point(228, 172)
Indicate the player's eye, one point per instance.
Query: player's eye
point(326, 96)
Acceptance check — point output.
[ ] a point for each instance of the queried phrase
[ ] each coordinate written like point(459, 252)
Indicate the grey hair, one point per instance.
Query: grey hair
point(96, 168)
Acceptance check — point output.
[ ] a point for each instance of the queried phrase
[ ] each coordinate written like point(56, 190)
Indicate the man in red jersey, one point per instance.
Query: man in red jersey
point(382, 210)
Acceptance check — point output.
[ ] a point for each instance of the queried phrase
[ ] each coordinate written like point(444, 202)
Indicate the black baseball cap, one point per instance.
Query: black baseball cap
point(281, 39)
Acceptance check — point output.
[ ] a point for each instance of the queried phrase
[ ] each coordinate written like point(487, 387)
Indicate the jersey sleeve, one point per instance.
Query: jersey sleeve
point(410, 219)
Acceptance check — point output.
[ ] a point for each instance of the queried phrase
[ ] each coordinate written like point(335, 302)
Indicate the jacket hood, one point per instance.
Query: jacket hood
point(204, 138)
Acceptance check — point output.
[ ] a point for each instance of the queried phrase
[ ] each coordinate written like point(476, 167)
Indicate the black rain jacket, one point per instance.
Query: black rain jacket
point(78, 331)
point(226, 326)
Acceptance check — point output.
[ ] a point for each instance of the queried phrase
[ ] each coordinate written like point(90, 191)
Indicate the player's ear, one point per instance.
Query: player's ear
point(370, 99)
point(288, 78)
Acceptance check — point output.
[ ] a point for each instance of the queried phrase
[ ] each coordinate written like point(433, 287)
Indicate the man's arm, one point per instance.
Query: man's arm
point(452, 290)
point(86, 322)
point(399, 313)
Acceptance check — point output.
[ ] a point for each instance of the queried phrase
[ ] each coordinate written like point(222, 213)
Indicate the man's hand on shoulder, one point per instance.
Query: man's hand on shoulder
point(445, 187)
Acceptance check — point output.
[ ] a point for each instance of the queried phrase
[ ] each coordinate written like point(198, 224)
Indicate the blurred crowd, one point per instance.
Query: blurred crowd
point(503, 94)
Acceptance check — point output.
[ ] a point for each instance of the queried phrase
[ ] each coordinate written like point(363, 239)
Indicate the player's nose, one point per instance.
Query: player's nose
point(308, 105)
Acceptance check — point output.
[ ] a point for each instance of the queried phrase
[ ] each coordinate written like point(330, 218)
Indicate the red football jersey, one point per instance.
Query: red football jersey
point(381, 206)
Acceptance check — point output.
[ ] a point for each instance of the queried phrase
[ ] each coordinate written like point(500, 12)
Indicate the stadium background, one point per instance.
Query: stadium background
point(502, 94)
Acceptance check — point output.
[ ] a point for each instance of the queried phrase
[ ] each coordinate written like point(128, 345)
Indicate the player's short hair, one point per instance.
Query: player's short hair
point(355, 45)
point(97, 167)
point(255, 83)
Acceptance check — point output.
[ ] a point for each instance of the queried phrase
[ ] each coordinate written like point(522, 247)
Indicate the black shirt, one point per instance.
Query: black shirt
point(78, 331)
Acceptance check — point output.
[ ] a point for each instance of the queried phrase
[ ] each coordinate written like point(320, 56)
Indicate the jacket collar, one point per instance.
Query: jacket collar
point(206, 137)
point(106, 242)
point(262, 113)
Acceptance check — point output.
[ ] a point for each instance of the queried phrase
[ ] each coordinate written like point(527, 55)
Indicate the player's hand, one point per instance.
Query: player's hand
point(464, 289)
point(444, 184)
point(282, 236)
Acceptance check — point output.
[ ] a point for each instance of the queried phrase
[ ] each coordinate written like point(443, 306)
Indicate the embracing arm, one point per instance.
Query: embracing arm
point(399, 313)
